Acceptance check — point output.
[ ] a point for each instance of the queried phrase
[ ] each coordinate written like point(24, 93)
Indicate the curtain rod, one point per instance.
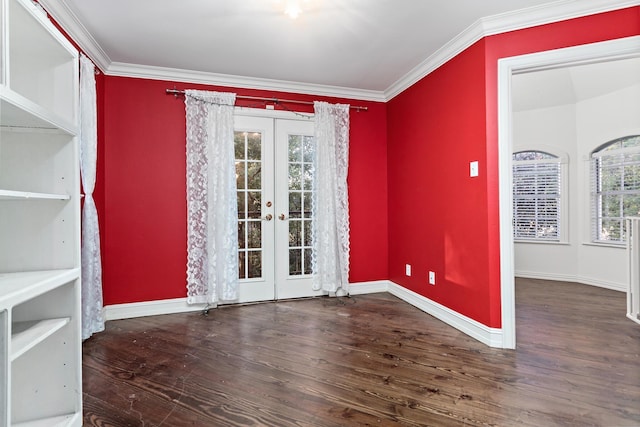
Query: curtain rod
point(177, 92)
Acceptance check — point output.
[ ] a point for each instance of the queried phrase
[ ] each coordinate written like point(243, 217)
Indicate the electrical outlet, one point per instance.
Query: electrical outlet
point(407, 269)
point(432, 278)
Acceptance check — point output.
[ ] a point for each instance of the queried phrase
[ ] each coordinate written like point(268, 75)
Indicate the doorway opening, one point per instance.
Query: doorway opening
point(507, 67)
point(274, 171)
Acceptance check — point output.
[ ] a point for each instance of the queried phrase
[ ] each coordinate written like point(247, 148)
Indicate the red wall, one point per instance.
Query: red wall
point(409, 157)
point(144, 210)
point(98, 192)
point(438, 214)
point(440, 219)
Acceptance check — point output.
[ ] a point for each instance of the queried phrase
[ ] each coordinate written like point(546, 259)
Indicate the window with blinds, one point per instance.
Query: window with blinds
point(536, 196)
point(615, 178)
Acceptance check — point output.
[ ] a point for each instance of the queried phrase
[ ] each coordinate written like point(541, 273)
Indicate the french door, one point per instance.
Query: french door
point(274, 170)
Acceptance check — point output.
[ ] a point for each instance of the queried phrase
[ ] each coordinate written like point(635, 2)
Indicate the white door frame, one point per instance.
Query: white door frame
point(596, 52)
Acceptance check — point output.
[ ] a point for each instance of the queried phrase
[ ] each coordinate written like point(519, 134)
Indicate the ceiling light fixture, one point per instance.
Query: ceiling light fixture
point(293, 8)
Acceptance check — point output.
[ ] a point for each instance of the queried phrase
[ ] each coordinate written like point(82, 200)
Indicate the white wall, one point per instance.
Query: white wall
point(576, 130)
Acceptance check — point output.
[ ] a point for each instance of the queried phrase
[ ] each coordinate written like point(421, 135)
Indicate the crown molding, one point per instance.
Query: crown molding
point(511, 21)
point(197, 77)
point(64, 16)
point(561, 10)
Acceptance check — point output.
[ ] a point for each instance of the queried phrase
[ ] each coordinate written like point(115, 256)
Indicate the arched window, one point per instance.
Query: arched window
point(615, 171)
point(536, 196)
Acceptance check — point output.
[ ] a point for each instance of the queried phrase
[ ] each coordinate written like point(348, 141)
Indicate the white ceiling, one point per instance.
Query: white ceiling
point(568, 85)
point(359, 45)
point(365, 44)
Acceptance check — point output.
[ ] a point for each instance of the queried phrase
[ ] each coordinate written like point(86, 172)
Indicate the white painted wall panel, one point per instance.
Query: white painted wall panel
point(576, 130)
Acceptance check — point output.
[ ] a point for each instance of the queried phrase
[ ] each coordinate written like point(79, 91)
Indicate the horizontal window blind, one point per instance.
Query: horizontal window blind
point(536, 199)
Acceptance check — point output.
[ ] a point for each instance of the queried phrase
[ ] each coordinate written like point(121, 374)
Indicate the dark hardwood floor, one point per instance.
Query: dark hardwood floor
point(370, 360)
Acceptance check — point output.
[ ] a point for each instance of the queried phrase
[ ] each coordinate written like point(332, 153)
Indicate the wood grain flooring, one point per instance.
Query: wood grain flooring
point(369, 360)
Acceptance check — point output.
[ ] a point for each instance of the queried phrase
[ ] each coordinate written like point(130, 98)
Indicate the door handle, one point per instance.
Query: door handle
point(268, 217)
point(281, 217)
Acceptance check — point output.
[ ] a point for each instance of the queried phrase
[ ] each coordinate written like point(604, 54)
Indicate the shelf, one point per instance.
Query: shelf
point(26, 335)
point(60, 421)
point(18, 111)
point(19, 287)
point(37, 161)
point(41, 65)
point(39, 234)
point(26, 195)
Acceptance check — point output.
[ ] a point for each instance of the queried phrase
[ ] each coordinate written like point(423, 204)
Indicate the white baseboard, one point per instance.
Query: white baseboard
point(362, 288)
point(149, 308)
point(490, 336)
point(614, 286)
point(179, 305)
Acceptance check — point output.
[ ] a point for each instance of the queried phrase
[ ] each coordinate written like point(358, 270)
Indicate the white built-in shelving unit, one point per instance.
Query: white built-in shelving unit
point(40, 345)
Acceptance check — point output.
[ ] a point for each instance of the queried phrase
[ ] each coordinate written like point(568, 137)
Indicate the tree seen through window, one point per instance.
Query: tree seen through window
point(616, 187)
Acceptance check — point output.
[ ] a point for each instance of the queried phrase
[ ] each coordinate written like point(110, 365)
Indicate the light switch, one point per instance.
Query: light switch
point(473, 168)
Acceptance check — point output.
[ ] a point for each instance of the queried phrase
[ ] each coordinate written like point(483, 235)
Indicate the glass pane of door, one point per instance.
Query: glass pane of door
point(300, 178)
point(248, 155)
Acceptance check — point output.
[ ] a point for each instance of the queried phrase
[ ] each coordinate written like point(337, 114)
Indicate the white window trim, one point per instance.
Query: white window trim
point(593, 234)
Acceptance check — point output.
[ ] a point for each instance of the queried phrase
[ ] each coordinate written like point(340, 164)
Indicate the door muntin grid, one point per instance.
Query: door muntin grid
point(300, 190)
point(248, 157)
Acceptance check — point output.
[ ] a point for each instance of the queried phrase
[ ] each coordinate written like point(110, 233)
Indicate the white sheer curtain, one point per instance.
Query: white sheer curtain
point(212, 211)
point(330, 212)
point(92, 310)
